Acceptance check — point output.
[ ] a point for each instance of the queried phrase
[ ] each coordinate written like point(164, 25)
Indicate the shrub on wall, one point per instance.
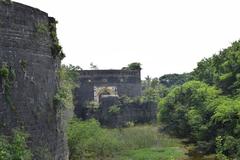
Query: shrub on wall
point(133, 66)
point(8, 76)
point(64, 95)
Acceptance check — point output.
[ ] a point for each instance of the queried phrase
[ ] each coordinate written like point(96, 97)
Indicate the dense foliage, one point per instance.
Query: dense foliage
point(56, 47)
point(133, 66)
point(156, 88)
point(185, 109)
point(197, 111)
point(170, 80)
point(222, 70)
point(68, 76)
point(14, 147)
point(153, 90)
point(207, 111)
point(87, 140)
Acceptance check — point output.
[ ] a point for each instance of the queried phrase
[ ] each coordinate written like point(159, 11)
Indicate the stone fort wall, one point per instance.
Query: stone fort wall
point(135, 112)
point(126, 82)
point(25, 48)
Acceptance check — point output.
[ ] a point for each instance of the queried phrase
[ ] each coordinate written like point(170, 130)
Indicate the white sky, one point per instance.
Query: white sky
point(166, 36)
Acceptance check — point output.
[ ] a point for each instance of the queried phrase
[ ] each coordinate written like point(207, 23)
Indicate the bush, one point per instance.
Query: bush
point(87, 140)
point(114, 109)
point(185, 109)
point(64, 96)
point(15, 147)
point(133, 66)
point(222, 70)
point(198, 112)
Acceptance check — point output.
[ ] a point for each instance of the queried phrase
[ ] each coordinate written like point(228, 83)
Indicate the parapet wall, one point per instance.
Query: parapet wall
point(25, 49)
point(118, 73)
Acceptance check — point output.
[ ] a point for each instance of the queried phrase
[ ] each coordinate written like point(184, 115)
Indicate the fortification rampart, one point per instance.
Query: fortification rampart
point(26, 94)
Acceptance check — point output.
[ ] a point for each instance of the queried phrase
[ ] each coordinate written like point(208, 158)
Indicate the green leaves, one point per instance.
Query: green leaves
point(87, 140)
point(133, 66)
point(15, 147)
point(114, 109)
point(64, 95)
point(185, 109)
point(198, 111)
point(221, 70)
point(202, 112)
point(56, 47)
point(4, 72)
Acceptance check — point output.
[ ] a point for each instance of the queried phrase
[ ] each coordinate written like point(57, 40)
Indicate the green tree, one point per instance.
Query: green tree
point(222, 70)
point(133, 66)
point(185, 109)
point(171, 80)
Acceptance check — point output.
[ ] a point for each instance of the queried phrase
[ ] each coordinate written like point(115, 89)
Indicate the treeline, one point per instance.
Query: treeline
point(206, 108)
point(222, 70)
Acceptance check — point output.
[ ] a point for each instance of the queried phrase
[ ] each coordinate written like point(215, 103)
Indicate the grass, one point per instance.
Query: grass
point(146, 143)
point(87, 140)
point(168, 153)
point(144, 136)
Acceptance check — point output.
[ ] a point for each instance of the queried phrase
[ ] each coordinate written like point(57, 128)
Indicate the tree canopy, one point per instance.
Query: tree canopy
point(133, 66)
point(207, 109)
point(222, 70)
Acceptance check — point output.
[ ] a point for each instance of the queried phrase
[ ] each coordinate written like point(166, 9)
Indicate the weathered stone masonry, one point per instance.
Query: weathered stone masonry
point(126, 83)
point(25, 48)
point(106, 88)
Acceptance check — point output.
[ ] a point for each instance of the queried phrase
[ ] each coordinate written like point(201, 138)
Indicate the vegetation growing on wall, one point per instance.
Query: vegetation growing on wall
point(114, 109)
point(93, 66)
point(56, 47)
point(133, 66)
point(42, 28)
point(6, 1)
point(8, 76)
point(92, 105)
point(23, 63)
point(68, 76)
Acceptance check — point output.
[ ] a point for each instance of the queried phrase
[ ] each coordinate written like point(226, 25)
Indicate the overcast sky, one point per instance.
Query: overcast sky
point(166, 36)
